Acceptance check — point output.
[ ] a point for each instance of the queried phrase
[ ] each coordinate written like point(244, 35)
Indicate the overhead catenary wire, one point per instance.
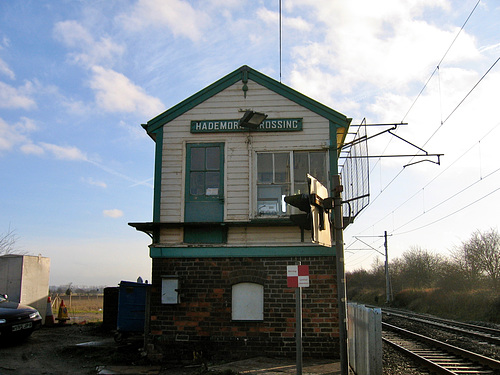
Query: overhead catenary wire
point(423, 89)
point(449, 198)
point(441, 125)
point(439, 174)
point(482, 178)
point(436, 69)
point(443, 121)
point(452, 213)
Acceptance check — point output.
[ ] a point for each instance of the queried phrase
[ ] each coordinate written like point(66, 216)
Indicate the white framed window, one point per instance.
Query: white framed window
point(247, 301)
point(284, 173)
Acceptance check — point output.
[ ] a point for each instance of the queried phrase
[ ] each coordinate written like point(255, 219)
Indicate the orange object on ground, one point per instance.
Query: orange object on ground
point(49, 316)
point(62, 314)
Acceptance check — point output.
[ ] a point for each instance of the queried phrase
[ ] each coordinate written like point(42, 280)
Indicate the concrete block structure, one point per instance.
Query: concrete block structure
point(25, 279)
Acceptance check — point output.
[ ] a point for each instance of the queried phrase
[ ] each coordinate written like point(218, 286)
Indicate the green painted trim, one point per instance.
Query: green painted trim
point(157, 174)
point(332, 155)
point(238, 75)
point(298, 98)
point(240, 252)
point(193, 100)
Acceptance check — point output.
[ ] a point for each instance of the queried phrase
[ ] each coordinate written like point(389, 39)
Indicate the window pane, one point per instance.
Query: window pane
point(212, 180)
point(213, 158)
point(281, 168)
point(318, 166)
point(274, 181)
point(197, 159)
point(300, 167)
point(270, 199)
point(301, 188)
point(264, 168)
point(197, 183)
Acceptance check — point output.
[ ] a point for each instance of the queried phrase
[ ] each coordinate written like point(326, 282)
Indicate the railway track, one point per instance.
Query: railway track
point(437, 356)
point(478, 332)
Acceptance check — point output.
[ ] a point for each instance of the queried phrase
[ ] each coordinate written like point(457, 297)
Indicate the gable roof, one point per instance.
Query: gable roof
point(242, 74)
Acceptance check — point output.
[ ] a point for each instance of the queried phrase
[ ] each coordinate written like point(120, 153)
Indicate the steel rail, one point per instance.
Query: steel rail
point(491, 335)
point(436, 355)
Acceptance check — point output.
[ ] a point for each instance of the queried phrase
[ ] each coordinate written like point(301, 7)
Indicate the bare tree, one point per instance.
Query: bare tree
point(8, 242)
point(479, 256)
point(488, 245)
point(466, 257)
point(419, 267)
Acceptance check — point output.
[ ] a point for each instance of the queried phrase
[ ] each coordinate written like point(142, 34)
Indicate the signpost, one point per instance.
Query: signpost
point(298, 277)
point(318, 206)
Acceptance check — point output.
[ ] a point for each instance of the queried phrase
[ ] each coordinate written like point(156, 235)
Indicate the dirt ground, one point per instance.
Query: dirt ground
point(58, 350)
point(87, 349)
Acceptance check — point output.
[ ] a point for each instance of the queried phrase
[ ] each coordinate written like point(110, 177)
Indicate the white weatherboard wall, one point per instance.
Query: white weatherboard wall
point(26, 280)
point(240, 150)
point(364, 333)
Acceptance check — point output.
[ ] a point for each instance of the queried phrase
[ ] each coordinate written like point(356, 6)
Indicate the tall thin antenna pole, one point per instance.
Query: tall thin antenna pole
point(280, 39)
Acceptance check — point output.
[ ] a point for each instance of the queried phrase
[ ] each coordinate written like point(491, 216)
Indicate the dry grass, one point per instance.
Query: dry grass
point(81, 308)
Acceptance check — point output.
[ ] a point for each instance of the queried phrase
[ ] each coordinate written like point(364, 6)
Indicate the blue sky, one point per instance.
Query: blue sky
point(77, 78)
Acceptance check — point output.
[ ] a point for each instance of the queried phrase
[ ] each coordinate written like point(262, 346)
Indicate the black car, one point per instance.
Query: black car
point(17, 321)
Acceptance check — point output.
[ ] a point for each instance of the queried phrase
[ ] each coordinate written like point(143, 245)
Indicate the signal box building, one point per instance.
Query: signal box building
point(221, 233)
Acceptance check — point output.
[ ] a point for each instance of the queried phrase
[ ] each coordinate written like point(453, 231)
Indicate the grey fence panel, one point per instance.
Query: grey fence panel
point(364, 333)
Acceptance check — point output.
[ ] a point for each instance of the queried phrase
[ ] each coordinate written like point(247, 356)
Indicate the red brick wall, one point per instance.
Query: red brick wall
point(202, 321)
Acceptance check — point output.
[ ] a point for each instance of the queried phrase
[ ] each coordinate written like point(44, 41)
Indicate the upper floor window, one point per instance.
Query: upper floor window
point(284, 173)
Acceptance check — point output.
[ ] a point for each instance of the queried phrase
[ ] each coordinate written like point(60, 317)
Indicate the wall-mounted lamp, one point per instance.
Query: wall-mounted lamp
point(252, 120)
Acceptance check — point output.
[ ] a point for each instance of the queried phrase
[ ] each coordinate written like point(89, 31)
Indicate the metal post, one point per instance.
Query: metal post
point(298, 323)
point(341, 287)
point(387, 281)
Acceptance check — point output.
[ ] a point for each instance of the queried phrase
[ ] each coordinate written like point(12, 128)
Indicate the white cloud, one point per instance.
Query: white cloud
point(64, 152)
point(93, 182)
point(11, 97)
point(115, 93)
point(135, 132)
point(371, 47)
point(75, 107)
point(177, 15)
point(114, 213)
point(272, 18)
point(4, 69)
point(73, 35)
point(32, 149)
point(12, 135)
point(18, 135)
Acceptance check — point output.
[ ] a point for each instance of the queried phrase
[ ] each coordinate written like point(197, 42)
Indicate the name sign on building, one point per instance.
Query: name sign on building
point(269, 125)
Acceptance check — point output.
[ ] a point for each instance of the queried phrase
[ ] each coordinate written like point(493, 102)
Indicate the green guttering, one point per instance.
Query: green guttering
point(240, 252)
point(157, 177)
point(193, 101)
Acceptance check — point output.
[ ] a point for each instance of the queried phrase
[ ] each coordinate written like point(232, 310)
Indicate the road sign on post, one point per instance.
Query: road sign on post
point(298, 277)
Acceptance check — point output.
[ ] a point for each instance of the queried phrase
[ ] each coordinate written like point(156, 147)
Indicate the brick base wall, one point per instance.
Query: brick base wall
point(201, 323)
